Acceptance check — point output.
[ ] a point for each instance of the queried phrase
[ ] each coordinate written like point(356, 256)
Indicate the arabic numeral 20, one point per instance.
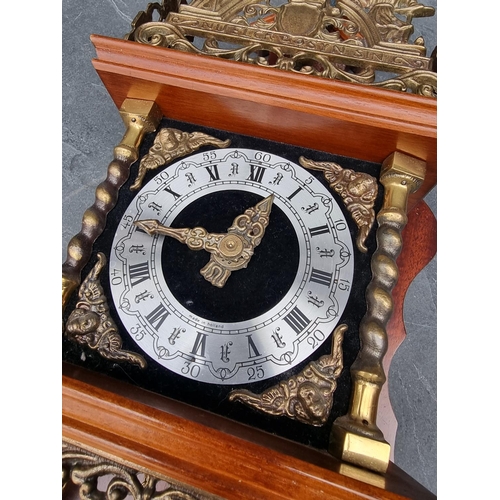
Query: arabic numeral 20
point(316, 338)
point(255, 372)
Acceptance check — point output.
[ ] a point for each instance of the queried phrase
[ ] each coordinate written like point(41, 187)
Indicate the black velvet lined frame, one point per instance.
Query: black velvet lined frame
point(210, 397)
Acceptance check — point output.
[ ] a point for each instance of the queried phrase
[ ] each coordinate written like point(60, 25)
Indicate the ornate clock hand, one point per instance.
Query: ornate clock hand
point(230, 251)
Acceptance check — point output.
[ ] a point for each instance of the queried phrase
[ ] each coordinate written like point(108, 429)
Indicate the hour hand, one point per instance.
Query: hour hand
point(196, 238)
point(230, 251)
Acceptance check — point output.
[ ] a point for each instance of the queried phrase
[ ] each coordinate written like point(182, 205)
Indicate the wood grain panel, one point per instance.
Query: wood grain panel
point(337, 117)
point(173, 440)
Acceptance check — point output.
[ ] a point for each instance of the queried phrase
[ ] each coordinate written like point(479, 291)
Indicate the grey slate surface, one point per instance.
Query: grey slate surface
point(91, 127)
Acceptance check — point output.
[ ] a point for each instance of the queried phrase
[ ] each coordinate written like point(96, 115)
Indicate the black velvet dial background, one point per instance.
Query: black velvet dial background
point(266, 271)
point(248, 292)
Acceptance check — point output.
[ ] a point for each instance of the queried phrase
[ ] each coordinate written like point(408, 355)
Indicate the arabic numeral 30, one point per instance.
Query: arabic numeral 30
point(193, 370)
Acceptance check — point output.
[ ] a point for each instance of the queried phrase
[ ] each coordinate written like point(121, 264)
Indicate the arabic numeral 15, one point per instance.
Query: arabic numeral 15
point(344, 285)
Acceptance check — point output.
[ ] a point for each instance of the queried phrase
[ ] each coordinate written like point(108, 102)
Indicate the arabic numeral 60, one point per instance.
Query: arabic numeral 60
point(262, 156)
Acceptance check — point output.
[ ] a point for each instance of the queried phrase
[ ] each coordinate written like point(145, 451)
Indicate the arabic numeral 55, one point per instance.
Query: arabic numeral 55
point(255, 372)
point(210, 155)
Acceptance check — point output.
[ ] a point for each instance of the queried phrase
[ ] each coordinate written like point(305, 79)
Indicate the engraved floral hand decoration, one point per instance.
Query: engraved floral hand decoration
point(229, 251)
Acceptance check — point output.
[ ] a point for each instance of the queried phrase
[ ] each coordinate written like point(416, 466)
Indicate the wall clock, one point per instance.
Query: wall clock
point(201, 343)
point(229, 268)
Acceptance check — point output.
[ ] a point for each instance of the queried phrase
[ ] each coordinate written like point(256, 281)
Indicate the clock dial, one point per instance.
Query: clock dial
point(270, 315)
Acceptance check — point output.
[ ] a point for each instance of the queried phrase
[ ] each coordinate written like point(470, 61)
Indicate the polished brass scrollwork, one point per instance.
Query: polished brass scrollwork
point(357, 190)
point(307, 396)
point(355, 437)
point(170, 144)
point(86, 469)
point(229, 251)
point(90, 323)
point(354, 40)
point(140, 117)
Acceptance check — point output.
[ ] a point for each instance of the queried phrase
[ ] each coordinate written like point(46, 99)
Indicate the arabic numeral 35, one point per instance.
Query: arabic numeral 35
point(255, 372)
point(138, 332)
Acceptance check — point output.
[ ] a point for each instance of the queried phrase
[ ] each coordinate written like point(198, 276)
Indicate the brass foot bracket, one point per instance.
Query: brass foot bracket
point(140, 117)
point(355, 437)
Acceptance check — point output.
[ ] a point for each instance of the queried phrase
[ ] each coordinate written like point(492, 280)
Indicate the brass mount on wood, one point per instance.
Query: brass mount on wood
point(358, 41)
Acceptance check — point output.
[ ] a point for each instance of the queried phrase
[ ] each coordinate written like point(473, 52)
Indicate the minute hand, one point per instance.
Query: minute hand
point(230, 251)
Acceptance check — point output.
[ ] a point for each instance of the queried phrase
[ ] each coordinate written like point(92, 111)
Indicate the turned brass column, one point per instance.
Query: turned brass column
point(140, 117)
point(355, 437)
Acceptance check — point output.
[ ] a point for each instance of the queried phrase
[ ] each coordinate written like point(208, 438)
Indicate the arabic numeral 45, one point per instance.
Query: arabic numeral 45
point(255, 372)
point(126, 221)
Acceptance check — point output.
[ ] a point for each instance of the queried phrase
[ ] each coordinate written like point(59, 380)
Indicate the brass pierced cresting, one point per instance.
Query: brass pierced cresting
point(85, 469)
point(359, 41)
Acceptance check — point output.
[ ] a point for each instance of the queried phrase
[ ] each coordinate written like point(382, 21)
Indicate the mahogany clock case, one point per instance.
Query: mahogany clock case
point(273, 264)
point(92, 127)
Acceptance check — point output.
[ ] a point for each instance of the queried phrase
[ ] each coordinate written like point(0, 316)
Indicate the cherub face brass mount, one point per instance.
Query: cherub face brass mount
point(358, 41)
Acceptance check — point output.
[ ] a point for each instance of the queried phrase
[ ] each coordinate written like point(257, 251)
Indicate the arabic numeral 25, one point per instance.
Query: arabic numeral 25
point(255, 372)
